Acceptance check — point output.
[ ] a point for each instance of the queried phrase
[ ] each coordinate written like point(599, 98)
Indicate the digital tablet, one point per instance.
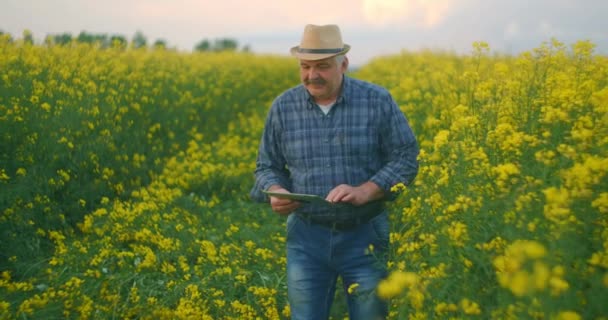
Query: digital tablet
point(299, 197)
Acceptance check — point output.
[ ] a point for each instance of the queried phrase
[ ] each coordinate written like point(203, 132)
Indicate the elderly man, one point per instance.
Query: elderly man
point(346, 141)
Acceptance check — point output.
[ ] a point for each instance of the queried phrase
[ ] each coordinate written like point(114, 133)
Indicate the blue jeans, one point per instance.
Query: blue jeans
point(317, 255)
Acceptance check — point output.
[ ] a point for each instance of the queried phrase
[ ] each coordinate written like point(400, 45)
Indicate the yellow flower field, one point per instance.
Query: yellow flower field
point(124, 177)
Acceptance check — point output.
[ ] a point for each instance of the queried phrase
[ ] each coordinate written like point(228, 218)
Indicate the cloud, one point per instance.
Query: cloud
point(545, 29)
point(242, 17)
point(512, 30)
point(415, 13)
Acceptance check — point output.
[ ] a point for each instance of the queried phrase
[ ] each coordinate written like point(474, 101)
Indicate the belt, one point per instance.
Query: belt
point(342, 225)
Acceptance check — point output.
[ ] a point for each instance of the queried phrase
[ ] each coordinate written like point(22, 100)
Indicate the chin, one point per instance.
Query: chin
point(316, 92)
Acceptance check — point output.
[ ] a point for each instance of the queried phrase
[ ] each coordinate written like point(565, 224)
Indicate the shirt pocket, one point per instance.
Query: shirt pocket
point(297, 147)
point(361, 143)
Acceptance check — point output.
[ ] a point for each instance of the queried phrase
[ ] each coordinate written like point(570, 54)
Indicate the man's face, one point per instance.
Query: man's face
point(322, 78)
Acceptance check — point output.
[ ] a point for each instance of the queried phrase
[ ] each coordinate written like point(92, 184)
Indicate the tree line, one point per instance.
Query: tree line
point(138, 41)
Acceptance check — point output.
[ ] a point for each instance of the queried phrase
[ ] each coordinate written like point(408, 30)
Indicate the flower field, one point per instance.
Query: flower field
point(124, 177)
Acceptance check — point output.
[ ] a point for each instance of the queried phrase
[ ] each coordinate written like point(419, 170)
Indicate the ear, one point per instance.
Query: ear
point(345, 64)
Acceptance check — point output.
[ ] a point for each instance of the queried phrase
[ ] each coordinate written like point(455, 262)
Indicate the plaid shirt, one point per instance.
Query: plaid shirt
point(364, 137)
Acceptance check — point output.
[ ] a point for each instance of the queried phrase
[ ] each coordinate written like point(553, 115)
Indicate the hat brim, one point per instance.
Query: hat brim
point(296, 52)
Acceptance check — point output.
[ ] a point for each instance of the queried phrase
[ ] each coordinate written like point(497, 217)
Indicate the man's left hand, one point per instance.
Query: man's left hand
point(357, 196)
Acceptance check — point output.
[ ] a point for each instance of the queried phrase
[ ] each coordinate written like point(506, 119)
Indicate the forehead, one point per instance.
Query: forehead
point(328, 61)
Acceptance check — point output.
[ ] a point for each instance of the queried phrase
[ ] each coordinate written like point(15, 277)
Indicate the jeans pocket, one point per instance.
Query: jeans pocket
point(292, 221)
point(381, 228)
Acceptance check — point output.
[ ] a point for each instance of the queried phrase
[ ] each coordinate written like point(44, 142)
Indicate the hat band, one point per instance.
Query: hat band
point(320, 51)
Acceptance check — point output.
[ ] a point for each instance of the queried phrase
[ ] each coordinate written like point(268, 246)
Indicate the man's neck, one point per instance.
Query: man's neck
point(325, 102)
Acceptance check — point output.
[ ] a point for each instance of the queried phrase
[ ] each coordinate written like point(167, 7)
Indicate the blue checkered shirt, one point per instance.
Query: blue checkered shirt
point(364, 137)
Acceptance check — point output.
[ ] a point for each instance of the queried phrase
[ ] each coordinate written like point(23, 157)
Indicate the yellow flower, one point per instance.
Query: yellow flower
point(352, 288)
point(398, 187)
point(511, 271)
point(167, 267)
point(469, 307)
point(441, 139)
point(557, 205)
point(519, 283)
point(442, 308)
point(568, 315)
point(457, 231)
point(506, 175)
point(369, 249)
point(3, 175)
point(21, 172)
point(540, 275)
point(396, 283)
point(286, 311)
point(558, 285)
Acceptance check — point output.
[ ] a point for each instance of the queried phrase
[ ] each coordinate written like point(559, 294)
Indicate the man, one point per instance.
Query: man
point(347, 141)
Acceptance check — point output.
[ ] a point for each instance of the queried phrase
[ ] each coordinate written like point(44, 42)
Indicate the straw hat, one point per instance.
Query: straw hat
point(320, 42)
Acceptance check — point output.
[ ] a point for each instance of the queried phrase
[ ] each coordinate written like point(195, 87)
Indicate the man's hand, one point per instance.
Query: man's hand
point(357, 196)
point(282, 206)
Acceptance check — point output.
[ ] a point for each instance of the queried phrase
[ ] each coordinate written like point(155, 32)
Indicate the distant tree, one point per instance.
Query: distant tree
point(221, 44)
point(118, 41)
point(6, 36)
point(246, 48)
point(84, 37)
point(139, 40)
point(28, 37)
point(204, 45)
point(62, 39)
point(102, 40)
point(48, 40)
point(160, 44)
point(225, 44)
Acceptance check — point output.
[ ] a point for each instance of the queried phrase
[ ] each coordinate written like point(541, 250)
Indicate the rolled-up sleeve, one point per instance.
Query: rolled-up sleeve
point(400, 149)
point(270, 164)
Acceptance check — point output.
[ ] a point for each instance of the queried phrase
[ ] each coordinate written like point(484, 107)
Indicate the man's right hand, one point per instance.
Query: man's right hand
point(282, 206)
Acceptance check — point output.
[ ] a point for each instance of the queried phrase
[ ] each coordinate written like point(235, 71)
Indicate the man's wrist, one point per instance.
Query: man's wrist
point(274, 187)
point(373, 191)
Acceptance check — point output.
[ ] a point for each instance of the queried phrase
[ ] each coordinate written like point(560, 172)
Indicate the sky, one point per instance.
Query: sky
point(371, 27)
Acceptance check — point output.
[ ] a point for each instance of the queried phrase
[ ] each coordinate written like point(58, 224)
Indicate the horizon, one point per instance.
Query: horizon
point(373, 28)
point(40, 41)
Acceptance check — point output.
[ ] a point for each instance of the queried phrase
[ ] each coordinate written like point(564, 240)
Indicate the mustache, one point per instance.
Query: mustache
point(315, 81)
